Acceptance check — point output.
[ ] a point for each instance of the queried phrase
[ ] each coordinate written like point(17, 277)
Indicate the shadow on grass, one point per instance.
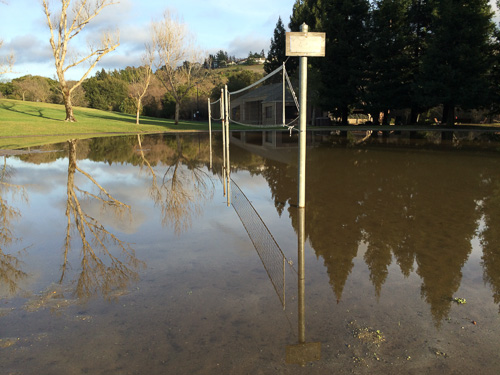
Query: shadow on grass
point(165, 123)
point(10, 107)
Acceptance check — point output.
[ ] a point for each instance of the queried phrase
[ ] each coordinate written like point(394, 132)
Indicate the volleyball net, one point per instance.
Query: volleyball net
point(271, 101)
point(272, 257)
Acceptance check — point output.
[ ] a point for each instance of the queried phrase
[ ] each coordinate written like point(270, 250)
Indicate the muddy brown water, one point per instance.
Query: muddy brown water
point(121, 255)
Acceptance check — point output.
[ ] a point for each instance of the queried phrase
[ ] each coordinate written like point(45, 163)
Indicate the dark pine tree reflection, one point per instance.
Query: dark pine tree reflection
point(418, 210)
point(490, 236)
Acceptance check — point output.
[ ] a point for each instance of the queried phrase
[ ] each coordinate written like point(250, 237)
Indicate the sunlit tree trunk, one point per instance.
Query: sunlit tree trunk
point(67, 102)
point(140, 85)
point(177, 112)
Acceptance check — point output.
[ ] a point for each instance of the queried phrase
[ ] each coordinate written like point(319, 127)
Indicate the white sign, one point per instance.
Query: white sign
point(305, 44)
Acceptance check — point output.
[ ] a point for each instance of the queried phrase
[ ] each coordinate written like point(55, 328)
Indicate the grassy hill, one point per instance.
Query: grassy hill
point(25, 124)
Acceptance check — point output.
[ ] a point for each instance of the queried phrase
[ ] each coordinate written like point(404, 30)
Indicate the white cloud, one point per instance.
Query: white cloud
point(242, 45)
point(29, 49)
point(119, 61)
point(235, 26)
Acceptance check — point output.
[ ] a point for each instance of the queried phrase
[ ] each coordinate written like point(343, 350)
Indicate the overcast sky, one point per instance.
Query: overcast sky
point(235, 26)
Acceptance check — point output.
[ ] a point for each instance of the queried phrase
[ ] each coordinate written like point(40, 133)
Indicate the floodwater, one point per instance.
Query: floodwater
point(125, 255)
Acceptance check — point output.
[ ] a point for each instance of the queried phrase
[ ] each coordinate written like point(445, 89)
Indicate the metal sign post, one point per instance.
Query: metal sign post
point(304, 44)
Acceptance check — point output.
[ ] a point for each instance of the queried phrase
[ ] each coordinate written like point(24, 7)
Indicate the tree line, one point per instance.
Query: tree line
point(388, 55)
point(382, 57)
point(172, 81)
point(113, 90)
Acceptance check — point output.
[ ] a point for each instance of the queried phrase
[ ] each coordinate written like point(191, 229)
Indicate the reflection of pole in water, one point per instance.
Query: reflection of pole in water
point(301, 279)
point(223, 144)
point(228, 178)
point(228, 169)
point(228, 166)
point(210, 131)
point(302, 352)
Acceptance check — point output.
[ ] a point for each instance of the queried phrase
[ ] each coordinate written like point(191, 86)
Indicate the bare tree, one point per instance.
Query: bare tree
point(139, 86)
point(6, 63)
point(63, 29)
point(31, 88)
point(178, 59)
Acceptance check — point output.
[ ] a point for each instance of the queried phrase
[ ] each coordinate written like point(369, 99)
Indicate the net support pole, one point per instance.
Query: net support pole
point(222, 113)
point(302, 125)
point(210, 131)
point(284, 95)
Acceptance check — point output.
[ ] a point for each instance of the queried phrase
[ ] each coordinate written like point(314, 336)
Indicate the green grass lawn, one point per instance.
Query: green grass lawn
point(25, 124)
point(28, 124)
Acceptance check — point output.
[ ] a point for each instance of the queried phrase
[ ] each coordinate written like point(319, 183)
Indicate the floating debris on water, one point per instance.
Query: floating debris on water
point(52, 297)
point(8, 341)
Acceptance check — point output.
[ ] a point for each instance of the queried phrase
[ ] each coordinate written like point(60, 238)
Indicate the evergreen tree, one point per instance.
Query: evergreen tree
point(344, 67)
point(304, 12)
point(419, 20)
point(221, 58)
point(458, 59)
point(105, 91)
point(277, 50)
point(390, 75)
point(494, 75)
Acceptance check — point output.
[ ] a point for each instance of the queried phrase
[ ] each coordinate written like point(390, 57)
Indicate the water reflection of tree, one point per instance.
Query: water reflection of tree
point(10, 265)
point(101, 270)
point(490, 236)
point(181, 189)
point(445, 223)
point(407, 208)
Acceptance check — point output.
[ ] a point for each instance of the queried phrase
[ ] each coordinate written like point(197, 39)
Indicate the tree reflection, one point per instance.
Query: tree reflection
point(10, 265)
point(101, 270)
point(490, 236)
point(417, 210)
point(154, 190)
point(181, 189)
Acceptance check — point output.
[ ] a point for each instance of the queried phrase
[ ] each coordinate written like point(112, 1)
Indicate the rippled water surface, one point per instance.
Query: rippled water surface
point(131, 255)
